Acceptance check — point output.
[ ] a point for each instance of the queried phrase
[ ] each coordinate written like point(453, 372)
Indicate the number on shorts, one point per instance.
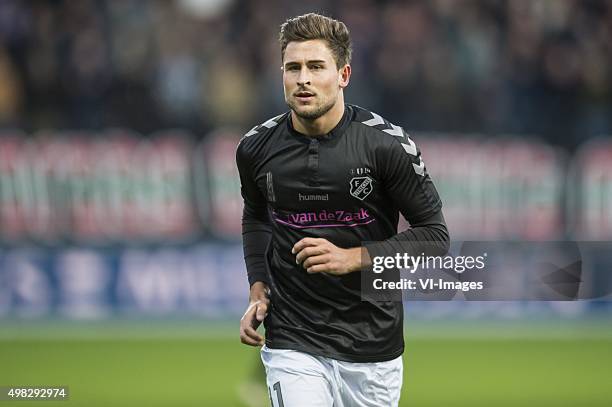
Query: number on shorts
point(279, 394)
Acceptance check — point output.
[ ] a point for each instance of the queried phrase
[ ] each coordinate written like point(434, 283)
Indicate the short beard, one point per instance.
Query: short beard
point(314, 114)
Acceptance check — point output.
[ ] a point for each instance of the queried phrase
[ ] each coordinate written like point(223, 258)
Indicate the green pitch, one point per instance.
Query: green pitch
point(205, 365)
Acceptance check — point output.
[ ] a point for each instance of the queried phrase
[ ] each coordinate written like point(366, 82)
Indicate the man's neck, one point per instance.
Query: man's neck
point(321, 125)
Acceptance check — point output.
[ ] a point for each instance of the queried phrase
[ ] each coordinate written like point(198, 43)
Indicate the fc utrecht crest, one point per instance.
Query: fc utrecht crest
point(361, 187)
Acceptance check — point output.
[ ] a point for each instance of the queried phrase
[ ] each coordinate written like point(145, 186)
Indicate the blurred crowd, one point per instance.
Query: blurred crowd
point(534, 67)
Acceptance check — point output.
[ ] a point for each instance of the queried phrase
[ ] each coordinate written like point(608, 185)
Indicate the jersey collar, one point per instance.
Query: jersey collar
point(342, 125)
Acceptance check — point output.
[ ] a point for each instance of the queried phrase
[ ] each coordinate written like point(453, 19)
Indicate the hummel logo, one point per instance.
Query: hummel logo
point(313, 197)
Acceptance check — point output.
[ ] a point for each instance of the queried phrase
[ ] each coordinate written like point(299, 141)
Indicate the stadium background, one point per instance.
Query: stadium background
point(121, 270)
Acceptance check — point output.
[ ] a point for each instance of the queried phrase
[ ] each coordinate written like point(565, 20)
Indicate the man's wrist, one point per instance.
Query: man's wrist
point(259, 291)
point(360, 259)
point(366, 259)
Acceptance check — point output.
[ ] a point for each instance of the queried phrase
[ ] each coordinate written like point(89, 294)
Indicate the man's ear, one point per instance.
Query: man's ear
point(344, 75)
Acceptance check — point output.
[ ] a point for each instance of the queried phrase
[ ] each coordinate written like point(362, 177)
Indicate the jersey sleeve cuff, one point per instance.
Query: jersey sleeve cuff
point(378, 249)
point(258, 276)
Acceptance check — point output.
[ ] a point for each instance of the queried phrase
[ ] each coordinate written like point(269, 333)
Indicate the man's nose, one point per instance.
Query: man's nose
point(304, 77)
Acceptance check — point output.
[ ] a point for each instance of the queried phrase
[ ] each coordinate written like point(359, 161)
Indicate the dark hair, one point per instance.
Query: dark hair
point(314, 26)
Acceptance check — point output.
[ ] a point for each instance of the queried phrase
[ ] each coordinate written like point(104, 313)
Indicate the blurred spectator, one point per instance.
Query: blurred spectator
point(492, 66)
point(10, 91)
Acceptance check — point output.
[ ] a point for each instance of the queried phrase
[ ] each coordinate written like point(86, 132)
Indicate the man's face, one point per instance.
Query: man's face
point(310, 78)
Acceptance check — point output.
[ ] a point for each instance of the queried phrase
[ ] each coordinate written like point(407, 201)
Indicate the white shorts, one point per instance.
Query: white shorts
point(298, 379)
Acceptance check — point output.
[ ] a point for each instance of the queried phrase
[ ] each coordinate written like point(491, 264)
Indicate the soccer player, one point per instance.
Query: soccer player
point(323, 186)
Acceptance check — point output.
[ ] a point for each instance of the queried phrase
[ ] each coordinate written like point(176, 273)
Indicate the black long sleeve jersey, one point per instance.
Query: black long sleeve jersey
point(348, 187)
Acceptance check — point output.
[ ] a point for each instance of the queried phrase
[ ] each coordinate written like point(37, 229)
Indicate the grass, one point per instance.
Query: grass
point(163, 364)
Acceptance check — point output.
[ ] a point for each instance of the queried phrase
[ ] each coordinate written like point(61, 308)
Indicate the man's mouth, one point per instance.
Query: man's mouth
point(304, 96)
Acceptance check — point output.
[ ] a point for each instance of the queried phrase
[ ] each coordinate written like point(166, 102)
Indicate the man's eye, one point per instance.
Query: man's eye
point(317, 67)
point(293, 68)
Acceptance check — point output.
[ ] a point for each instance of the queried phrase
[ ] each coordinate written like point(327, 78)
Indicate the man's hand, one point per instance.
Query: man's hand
point(322, 256)
point(254, 315)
